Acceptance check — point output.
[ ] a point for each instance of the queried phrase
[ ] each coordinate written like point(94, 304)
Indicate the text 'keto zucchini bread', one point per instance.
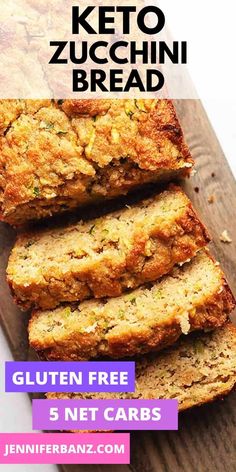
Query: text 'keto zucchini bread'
point(58, 155)
point(194, 296)
point(105, 256)
point(195, 371)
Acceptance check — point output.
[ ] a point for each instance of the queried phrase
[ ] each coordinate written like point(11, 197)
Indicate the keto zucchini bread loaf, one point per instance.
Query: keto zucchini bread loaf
point(194, 296)
point(58, 155)
point(197, 370)
point(105, 256)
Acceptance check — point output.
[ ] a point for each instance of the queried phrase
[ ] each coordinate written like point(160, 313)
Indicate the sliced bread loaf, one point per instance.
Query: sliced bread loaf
point(197, 370)
point(194, 296)
point(105, 256)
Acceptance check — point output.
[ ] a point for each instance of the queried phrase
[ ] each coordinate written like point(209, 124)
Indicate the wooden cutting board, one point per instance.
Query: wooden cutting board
point(206, 440)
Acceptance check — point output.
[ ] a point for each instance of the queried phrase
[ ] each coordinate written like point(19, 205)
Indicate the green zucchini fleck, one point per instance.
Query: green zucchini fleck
point(36, 192)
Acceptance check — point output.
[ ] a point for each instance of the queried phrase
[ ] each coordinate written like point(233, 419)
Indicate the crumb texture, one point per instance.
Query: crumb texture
point(193, 297)
point(106, 256)
point(197, 370)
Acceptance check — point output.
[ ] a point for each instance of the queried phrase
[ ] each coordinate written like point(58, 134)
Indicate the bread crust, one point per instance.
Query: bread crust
point(83, 339)
point(149, 253)
point(60, 155)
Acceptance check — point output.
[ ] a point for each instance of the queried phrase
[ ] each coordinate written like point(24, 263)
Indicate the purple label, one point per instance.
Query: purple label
point(70, 376)
point(105, 414)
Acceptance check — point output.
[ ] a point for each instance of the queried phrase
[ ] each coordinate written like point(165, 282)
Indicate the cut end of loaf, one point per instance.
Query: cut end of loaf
point(108, 255)
point(193, 297)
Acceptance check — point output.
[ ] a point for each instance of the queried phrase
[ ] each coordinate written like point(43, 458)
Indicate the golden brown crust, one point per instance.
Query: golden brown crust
point(58, 156)
point(174, 237)
point(81, 335)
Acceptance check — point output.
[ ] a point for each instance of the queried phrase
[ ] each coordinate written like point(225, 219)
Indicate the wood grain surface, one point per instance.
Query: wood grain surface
point(206, 440)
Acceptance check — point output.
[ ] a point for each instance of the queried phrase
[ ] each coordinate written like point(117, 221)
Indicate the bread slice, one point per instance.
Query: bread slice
point(59, 155)
point(194, 296)
point(105, 256)
point(197, 370)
